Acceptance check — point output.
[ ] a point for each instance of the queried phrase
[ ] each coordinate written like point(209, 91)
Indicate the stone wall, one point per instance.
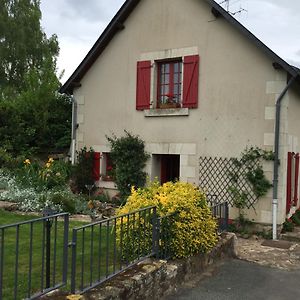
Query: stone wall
point(154, 279)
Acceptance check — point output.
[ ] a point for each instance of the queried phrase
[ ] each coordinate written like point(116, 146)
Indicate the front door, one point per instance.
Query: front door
point(169, 167)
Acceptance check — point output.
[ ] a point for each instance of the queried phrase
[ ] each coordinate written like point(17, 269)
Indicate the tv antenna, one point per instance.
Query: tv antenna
point(227, 3)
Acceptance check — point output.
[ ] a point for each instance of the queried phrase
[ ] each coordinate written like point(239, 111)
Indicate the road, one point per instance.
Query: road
point(241, 280)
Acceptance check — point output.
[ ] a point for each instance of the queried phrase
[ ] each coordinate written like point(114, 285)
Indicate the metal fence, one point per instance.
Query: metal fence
point(33, 257)
point(164, 236)
point(103, 249)
point(221, 213)
point(99, 250)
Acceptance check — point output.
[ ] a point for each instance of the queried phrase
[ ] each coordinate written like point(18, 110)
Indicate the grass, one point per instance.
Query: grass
point(91, 260)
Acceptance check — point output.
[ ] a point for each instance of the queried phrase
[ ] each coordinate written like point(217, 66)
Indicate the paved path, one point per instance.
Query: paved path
point(241, 280)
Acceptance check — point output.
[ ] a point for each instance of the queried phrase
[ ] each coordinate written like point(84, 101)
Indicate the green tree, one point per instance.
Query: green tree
point(33, 115)
point(129, 159)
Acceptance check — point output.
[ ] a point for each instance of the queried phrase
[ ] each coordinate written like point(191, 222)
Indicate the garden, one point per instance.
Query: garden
point(185, 222)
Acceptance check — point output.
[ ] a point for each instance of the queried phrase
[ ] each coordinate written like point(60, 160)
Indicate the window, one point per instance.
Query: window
point(177, 83)
point(106, 167)
point(169, 84)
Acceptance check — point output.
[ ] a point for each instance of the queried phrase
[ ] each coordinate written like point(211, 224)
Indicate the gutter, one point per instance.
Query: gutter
point(276, 157)
point(74, 127)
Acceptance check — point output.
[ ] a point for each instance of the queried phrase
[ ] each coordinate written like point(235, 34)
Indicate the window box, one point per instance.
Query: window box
point(169, 105)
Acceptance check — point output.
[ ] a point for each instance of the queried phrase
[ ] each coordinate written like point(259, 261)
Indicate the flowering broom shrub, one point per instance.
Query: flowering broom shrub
point(192, 230)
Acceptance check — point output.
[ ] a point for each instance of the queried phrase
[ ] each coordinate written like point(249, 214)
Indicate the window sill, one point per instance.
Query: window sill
point(170, 112)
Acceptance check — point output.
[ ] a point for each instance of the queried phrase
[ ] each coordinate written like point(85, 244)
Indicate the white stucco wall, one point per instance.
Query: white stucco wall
point(238, 88)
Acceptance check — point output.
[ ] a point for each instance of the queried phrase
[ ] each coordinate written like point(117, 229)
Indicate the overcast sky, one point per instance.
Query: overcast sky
point(79, 23)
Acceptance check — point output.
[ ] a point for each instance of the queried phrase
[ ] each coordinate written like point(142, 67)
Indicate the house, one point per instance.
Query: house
point(192, 82)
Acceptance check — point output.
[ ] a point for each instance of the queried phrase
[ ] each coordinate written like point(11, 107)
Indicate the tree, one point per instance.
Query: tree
point(129, 160)
point(33, 115)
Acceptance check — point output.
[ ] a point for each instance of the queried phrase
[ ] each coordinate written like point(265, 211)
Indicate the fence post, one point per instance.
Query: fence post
point(73, 270)
point(48, 252)
point(226, 215)
point(1, 261)
point(47, 213)
point(155, 233)
point(65, 253)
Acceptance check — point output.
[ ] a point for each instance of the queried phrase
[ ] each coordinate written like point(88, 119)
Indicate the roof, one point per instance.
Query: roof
point(116, 25)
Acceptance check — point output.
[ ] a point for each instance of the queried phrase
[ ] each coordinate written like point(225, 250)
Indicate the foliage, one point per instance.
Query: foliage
point(288, 226)
point(241, 225)
point(82, 173)
point(129, 160)
point(7, 160)
point(33, 116)
point(296, 219)
point(102, 197)
point(46, 176)
point(28, 198)
point(250, 163)
point(193, 228)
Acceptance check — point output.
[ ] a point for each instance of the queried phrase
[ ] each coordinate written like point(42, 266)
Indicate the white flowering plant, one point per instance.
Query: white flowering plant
point(31, 196)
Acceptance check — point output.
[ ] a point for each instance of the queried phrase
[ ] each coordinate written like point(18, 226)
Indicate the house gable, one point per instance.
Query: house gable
point(117, 24)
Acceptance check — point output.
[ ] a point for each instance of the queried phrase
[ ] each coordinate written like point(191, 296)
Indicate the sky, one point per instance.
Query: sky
point(78, 24)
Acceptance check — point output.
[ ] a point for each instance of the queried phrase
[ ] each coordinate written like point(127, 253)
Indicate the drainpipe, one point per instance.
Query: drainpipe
point(276, 158)
point(74, 127)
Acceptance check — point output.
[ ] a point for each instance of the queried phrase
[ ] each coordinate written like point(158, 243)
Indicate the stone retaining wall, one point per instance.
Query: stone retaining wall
point(154, 279)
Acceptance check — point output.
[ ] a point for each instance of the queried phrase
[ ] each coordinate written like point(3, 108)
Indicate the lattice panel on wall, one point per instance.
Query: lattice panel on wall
point(218, 175)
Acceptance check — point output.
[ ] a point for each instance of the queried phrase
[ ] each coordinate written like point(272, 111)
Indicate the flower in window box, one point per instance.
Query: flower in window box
point(170, 98)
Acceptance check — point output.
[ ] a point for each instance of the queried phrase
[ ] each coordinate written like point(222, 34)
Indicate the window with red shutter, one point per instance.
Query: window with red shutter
point(190, 81)
point(143, 85)
point(177, 83)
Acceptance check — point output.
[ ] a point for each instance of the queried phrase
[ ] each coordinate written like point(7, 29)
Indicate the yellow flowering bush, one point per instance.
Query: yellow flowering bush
point(193, 228)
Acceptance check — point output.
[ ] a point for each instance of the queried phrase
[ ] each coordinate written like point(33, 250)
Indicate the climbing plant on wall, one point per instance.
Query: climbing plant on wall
point(248, 170)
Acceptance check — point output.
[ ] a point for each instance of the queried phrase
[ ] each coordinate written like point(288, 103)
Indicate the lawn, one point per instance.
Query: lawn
point(92, 262)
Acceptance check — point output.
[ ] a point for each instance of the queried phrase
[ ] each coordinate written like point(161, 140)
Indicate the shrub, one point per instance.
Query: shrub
point(129, 160)
point(193, 229)
point(296, 219)
point(66, 203)
point(82, 173)
point(288, 226)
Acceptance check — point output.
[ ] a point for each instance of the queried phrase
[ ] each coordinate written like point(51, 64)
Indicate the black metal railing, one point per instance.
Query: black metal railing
point(33, 257)
point(99, 250)
point(164, 236)
point(221, 213)
point(103, 249)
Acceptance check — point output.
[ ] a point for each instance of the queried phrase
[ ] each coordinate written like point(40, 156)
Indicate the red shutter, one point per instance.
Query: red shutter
point(296, 179)
point(96, 166)
point(190, 81)
point(289, 182)
point(143, 85)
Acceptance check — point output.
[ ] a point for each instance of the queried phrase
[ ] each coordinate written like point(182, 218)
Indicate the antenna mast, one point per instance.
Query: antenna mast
point(226, 5)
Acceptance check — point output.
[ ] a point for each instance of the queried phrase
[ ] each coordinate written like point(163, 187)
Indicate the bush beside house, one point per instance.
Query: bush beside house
point(193, 228)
